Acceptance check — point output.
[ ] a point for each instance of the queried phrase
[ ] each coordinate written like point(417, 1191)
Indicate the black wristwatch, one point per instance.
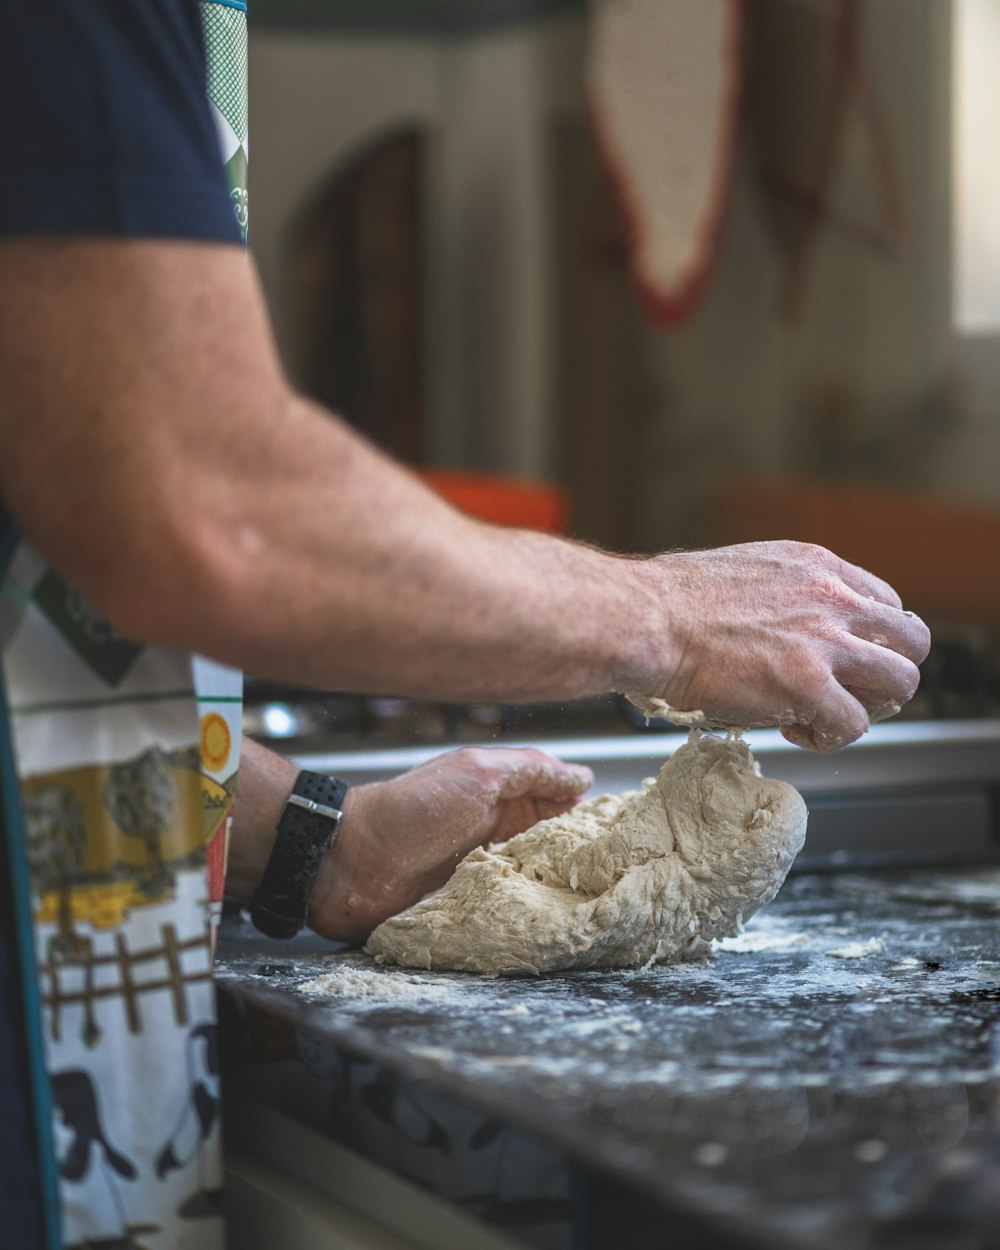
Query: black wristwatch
point(310, 821)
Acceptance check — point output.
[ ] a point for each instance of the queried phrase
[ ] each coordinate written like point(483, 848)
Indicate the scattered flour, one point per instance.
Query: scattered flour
point(871, 1150)
point(711, 1154)
point(858, 950)
point(750, 943)
point(353, 980)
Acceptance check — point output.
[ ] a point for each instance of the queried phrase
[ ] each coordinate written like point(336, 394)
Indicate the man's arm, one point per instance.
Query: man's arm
point(157, 456)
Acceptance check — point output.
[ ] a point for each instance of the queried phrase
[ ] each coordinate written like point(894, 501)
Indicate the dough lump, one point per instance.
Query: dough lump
point(618, 881)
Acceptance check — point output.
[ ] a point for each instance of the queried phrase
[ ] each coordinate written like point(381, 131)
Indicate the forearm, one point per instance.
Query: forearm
point(265, 782)
point(336, 567)
point(200, 503)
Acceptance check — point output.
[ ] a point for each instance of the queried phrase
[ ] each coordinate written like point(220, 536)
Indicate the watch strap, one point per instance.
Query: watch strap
point(310, 821)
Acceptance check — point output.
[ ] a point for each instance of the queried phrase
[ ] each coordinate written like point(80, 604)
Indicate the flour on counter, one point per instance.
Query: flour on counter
point(619, 881)
point(858, 950)
point(751, 943)
point(357, 981)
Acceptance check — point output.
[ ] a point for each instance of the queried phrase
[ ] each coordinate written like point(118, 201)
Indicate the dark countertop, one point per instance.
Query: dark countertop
point(795, 1098)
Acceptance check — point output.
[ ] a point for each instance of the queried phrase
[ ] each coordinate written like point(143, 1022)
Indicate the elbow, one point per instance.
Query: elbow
point(166, 588)
point(145, 604)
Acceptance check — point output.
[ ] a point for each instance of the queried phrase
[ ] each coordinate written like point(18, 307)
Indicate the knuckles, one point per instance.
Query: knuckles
point(476, 761)
point(809, 553)
point(493, 762)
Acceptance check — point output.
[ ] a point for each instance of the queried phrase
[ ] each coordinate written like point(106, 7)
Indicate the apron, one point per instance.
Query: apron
point(118, 767)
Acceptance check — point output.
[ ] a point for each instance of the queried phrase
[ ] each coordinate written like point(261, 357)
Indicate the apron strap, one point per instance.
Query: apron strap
point(29, 1194)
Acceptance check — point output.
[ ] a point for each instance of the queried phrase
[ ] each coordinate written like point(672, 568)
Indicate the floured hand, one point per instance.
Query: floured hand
point(403, 838)
point(781, 634)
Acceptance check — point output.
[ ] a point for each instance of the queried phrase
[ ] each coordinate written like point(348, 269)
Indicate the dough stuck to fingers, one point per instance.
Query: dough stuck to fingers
point(659, 709)
point(618, 881)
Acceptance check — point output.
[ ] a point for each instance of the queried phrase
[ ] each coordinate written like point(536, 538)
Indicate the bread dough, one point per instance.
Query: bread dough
point(654, 708)
point(618, 881)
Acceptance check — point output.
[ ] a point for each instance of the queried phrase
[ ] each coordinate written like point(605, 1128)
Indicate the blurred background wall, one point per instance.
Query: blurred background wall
point(448, 263)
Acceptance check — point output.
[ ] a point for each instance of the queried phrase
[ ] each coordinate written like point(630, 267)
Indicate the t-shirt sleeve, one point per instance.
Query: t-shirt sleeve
point(105, 128)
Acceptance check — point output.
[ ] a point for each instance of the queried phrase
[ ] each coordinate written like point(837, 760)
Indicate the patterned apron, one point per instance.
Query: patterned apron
point(118, 766)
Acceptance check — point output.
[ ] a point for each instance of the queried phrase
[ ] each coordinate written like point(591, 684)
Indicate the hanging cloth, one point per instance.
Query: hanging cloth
point(813, 113)
point(663, 84)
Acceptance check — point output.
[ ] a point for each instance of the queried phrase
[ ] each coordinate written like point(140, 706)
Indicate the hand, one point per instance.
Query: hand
point(787, 634)
point(401, 839)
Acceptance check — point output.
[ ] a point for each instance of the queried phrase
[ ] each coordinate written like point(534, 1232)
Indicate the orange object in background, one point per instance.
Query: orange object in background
point(502, 500)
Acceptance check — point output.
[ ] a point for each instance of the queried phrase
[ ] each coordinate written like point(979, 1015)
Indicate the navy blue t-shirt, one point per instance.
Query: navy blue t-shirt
point(104, 122)
point(105, 130)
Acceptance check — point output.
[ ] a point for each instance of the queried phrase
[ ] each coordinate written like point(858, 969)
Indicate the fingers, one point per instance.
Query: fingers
point(877, 672)
point(892, 628)
point(813, 738)
point(869, 608)
point(524, 773)
point(869, 683)
point(867, 584)
point(527, 786)
point(494, 774)
point(839, 720)
point(873, 671)
point(877, 613)
point(881, 681)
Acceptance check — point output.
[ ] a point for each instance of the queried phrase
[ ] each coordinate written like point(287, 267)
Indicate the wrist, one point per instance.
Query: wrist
point(650, 649)
point(340, 905)
point(606, 609)
point(264, 783)
point(307, 830)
